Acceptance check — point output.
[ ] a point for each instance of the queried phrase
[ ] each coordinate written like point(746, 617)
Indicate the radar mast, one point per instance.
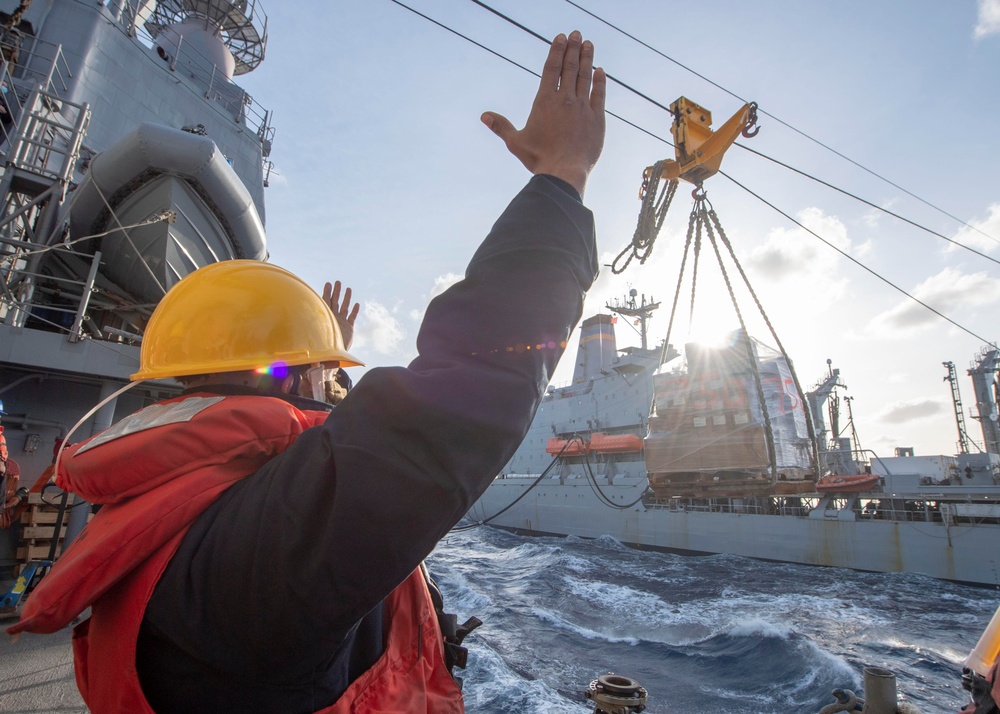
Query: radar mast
point(631, 307)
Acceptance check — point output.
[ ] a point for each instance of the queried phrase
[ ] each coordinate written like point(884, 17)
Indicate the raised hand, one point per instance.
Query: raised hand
point(345, 314)
point(564, 133)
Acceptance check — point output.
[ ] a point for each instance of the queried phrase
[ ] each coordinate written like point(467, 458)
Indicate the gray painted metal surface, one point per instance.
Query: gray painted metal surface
point(102, 117)
point(158, 168)
point(964, 552)
point(935, 515)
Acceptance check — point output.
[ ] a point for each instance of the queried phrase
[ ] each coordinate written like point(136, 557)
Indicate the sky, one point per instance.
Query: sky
point(386, 179)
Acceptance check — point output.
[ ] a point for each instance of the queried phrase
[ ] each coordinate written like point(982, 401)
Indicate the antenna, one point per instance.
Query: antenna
point(630, 307)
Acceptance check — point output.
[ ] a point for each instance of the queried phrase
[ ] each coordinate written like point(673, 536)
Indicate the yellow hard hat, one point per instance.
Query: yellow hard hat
point(239, 315)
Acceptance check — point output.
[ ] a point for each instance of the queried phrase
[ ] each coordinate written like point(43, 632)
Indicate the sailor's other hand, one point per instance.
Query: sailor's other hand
point(564, 133)
point(342, 310)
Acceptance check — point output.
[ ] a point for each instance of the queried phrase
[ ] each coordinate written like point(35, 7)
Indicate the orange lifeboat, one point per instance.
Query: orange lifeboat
point(573, 447)
point(615, 443)
point(855, 483)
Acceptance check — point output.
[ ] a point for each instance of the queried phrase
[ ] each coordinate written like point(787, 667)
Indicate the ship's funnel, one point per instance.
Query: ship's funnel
point(597, 348)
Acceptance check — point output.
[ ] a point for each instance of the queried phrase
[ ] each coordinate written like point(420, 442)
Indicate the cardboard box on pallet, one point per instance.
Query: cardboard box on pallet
point(707, 449)
point(703, 419)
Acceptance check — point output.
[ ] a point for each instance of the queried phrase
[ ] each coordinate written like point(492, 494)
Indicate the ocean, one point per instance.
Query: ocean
point(716, 633)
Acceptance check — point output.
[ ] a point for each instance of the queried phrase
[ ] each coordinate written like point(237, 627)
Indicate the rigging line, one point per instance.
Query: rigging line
point(526, 69)
point(659, 138)
point(604, 498)
point(668, 143)
point(856, 261)
point(872, 205)
point(547, 41)
point(713, 219)
point(703, 206)
point(665, 56)
point(464, 37)
point(65, 244)
point(129, 239)
point(485, 521)
point(780, 121)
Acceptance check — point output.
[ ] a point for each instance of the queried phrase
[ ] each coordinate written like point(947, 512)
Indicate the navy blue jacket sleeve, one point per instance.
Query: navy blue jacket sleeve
point(320, 535)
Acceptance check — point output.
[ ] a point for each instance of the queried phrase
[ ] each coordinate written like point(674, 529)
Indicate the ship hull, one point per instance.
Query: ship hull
point(958, 552)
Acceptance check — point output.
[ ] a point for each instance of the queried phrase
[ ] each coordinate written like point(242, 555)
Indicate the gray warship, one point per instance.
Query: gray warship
point(661, 460)
point(130, 159)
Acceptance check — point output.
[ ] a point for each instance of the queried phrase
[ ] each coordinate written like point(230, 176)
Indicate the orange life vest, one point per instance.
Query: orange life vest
point(114, 565)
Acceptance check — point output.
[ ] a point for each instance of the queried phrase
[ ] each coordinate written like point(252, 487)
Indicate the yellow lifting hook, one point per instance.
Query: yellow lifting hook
point(700, 150)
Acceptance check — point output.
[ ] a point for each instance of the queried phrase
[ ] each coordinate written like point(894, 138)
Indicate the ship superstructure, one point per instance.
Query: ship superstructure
point(606, 397)
point(130, 159)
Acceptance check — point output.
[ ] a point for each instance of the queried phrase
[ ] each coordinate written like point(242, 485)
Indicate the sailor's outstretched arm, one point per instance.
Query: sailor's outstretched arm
point(408, 451)
point(342, 310)
point(564, 134)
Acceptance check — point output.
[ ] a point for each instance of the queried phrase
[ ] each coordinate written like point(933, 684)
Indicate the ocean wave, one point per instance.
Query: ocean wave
point(577, 564)
point(491, 685)
point(585, 632)
point(716, 633)
point(614, 596)
point(762, 628)
point(460, 595)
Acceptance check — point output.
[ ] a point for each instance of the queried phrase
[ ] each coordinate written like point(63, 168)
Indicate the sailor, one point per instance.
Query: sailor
point(256, 554)
point(328, 383)
point(18, 504)
point(11, 494)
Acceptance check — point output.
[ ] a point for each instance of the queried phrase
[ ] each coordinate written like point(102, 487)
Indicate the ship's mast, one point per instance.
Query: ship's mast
point(630, 307)
point(820, 394)
point(984, 372)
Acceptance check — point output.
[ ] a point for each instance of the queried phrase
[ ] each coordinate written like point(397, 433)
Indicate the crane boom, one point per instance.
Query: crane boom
point(956, 400)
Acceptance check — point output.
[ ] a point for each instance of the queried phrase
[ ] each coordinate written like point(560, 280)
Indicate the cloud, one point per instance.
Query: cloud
point(988, 22)
point(791, 261)
point(442, 283)
point(378, 330)
point(949, 292)
point(903, 412)
point(863, 250)
point(873, 216)
point(789, 252)
point(972, 235)
point(792, 273)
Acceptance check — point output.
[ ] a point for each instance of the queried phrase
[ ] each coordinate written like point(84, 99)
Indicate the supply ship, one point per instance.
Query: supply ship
point(673, 454)
point(130, 159)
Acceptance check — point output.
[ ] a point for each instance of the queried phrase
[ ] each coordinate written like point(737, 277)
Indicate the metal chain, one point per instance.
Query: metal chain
point(781, 348)
point(699, 227)
point(680, 280)
point(652, 214)
point(703, 206)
